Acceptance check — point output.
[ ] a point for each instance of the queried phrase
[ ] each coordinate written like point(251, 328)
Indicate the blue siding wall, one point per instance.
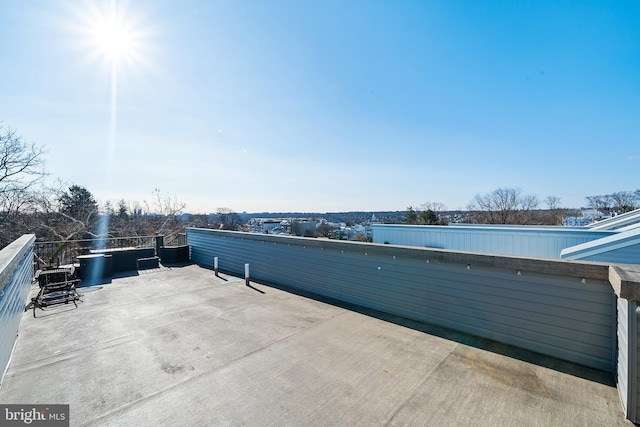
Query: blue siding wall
point(561, 316)
point(16, 273)
point(546, 242)
point(628, 255)
point(621, 248)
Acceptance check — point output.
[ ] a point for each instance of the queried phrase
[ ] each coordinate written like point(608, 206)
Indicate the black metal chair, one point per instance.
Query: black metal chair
point(56, 287)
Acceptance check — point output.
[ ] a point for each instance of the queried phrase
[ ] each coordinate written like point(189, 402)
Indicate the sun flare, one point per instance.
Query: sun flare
point(110, 32)
point(112, 35)
point(114, 39)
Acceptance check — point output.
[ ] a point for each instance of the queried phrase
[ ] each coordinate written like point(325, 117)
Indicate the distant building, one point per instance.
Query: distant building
point(303, 227)
point(588, 216)
point(268, 225)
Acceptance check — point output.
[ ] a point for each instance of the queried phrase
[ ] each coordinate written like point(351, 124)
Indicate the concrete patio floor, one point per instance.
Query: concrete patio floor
point(180, 347)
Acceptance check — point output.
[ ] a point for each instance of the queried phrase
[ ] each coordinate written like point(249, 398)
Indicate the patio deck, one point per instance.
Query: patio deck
point(179, 346)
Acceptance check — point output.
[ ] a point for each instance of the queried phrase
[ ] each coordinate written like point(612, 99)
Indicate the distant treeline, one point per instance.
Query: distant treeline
point(355, 217)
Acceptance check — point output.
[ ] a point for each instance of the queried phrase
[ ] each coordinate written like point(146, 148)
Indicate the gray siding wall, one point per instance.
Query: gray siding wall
point(544, 242)
point(16, 272)
point(551, 314)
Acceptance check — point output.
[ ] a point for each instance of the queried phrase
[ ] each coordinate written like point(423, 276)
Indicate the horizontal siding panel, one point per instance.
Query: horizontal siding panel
point(603, 363)
point(497, 321)
point(13, 296)
point(546, 285)
point(555, 285)
point(445, 286)
point(601, 326)
point(519, 330)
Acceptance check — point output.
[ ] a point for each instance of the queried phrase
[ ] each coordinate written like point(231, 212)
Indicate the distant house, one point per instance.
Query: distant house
point(268, 225)
point(588, 216)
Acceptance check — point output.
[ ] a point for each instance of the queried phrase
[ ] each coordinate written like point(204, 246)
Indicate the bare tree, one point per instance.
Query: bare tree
point(553, 202)
point(21, 164)
point(436, 207)
point(160, 216)
point(625, 201)
point(600, 203)
point(166, 204)
point(504, 205)
point(21, 169)
point(555, 215)
point(168, 207)
point(68, 213)
point(65, 214)
point(228, 219)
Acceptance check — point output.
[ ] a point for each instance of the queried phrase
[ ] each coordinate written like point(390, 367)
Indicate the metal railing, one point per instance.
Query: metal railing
point(50, 254)
point(179, 239)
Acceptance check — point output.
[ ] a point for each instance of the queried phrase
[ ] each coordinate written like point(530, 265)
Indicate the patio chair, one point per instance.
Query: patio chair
point(56, 287)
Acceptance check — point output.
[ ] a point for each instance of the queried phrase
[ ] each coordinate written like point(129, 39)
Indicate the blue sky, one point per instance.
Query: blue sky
point(328, 105)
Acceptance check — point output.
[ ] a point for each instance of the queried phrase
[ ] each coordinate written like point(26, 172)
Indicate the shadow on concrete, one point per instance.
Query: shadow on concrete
point(54, 310)
point(88, 289)
point(528, 356)
point(172, 265)
point(87, 283)
point(255, 289)
point(124, 274)
point(220, 271)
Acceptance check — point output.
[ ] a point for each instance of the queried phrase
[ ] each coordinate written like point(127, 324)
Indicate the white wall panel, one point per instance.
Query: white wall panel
point(546, 242)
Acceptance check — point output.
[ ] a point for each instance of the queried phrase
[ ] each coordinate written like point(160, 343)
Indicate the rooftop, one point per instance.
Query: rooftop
point(180, 346)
